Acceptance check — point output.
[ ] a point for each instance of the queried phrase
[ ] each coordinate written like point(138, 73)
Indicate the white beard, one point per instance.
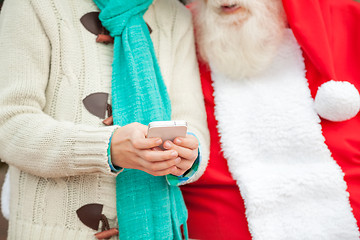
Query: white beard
point(240, 46)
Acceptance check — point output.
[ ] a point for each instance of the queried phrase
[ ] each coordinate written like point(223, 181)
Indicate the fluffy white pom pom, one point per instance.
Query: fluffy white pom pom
point(337, 101)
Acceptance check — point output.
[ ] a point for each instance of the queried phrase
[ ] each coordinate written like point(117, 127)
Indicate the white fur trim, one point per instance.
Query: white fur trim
point(271, 137)
point(5, 196)
point(337, 101)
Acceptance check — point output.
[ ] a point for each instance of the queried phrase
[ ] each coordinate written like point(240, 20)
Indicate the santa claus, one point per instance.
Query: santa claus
point(280, 81)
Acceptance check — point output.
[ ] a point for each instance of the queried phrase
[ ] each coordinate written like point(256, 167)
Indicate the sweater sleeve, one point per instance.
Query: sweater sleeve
point(185, 91)
point(30, 139)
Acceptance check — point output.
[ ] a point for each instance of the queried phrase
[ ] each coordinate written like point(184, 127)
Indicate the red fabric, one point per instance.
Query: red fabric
point(328, 32)
point(216, 208)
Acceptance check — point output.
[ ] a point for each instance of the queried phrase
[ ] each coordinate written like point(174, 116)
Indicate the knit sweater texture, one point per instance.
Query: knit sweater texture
point(56, 149)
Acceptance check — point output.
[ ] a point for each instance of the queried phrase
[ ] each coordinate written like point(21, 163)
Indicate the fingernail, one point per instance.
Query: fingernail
point(178, 160)
point(158, 141)
point(177, 141)
point(174, 154)
point(167, 145)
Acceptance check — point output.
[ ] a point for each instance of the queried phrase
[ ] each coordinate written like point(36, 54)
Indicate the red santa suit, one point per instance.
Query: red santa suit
point(292, 184)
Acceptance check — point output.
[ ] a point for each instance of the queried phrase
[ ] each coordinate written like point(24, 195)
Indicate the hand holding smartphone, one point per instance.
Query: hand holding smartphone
point(167, 130)
point(187, 147)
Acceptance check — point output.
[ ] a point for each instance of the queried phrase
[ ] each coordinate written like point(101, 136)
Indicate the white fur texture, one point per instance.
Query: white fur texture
point(248, 38)
point(271, 137)
point(337, 101)
point(5, 197)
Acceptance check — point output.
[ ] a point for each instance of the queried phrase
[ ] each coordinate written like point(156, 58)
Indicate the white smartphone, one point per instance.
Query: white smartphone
point(167, 130)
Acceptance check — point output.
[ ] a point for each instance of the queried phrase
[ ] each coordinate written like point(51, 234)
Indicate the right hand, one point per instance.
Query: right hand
point(131, 149)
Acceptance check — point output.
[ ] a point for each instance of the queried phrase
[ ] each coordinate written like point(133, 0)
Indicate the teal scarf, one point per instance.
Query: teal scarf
point(147, 207)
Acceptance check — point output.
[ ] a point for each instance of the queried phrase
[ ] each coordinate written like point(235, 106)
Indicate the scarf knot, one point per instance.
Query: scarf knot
point(116, 15)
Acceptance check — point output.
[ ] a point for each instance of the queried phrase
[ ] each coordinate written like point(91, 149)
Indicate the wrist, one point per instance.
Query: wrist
point(113, 167)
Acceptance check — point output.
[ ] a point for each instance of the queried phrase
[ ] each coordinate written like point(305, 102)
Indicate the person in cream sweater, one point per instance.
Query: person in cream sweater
point(55, 116)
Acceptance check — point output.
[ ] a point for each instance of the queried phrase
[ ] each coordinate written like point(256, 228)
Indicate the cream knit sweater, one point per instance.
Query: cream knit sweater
point(56, 149)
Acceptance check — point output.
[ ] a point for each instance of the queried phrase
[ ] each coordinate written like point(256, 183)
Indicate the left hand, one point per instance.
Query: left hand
point(187, 149)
